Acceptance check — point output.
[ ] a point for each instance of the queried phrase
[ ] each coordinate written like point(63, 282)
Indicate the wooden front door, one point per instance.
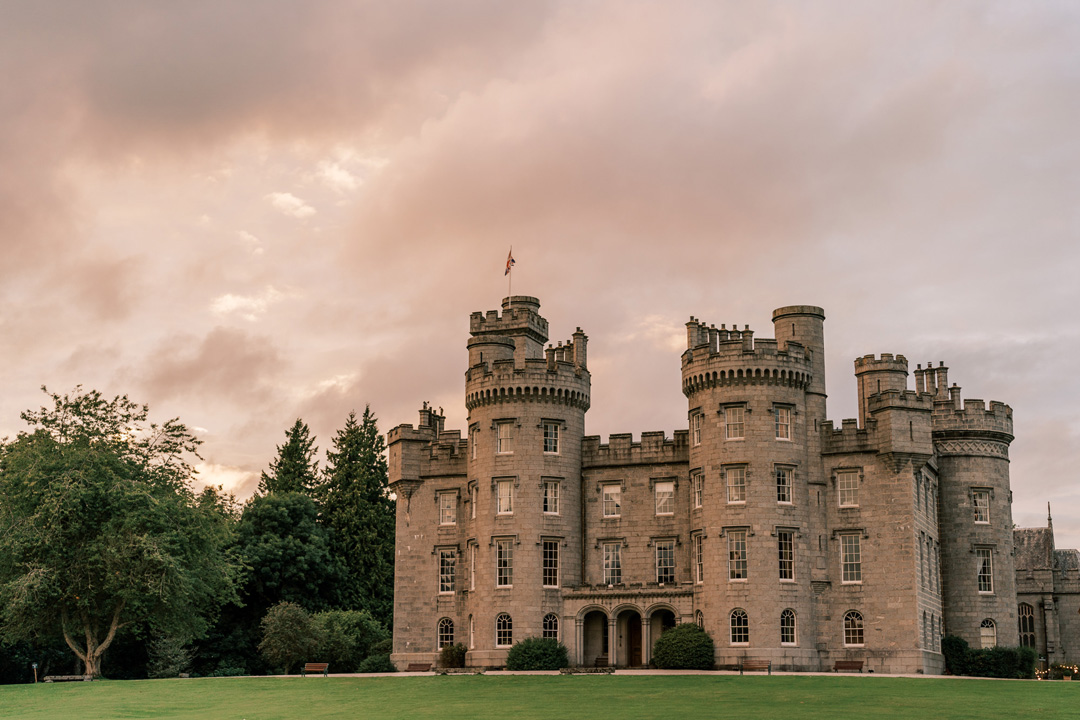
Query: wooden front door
point(633, 640)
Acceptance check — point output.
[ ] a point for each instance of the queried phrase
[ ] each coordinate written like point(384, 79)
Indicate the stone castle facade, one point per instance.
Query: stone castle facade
point(786, 538)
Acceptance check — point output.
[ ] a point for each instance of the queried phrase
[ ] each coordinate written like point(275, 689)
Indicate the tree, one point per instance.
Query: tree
point(100, 529)
point(358, 508)
point(294, 469)
point(290, 636)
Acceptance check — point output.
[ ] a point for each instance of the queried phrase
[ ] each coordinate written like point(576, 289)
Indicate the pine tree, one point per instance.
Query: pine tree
point(294, 469)
point(358, 507)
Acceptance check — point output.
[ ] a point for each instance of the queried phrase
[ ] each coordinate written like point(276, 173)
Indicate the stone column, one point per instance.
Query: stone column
point(646, 644)
point(579, 641)
point(612, 638)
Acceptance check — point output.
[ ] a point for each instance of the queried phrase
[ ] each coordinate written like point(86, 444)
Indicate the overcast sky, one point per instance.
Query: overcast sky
point(242, 213)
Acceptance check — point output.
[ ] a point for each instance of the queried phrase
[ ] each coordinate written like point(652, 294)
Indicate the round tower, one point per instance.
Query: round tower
point(752, 432)
point(526, 409)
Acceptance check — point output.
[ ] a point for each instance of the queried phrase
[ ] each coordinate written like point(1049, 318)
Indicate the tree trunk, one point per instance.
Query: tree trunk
point(91, 655)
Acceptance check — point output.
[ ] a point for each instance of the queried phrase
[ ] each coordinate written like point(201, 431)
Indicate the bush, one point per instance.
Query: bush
point(684, 647)
point(377, 664)
point(453, 656)
point(1057, 671)
point(537, 654)
point(169, 656)
point(996, 662)
point(346, 638)
point(290, 636)
point(383, 647)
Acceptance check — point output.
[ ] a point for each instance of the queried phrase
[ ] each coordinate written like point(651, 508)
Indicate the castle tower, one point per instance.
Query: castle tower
point(526, 409)
point(754, 408)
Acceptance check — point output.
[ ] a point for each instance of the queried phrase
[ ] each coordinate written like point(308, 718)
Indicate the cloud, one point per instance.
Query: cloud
point(249, 307)
point(289, 204)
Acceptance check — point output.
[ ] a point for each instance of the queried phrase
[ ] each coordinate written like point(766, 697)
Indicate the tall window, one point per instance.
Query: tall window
point(853, 628)
point(785, 547)
point(551, 563)
point(850, 558)
point(665, 498)
point(697, 481)
point(504, 563)
point(736, 554)
point(847, 484)
point(472, 499)
point(699, 619)
point(446, 632)
point(551, 626)
point(612, 563)
point(783, 484)
point(472, 567)
point(1026, 616)
point(982, 505)
point(474, 436)
point(504, 631)
point(612, 501)
point(665, 561)
point(736, 484)
point(551, 497)
point(988, 633)
point(447, 508)
point(695, 427)
point(733, 422)
point(551, 438)
point(699, 557)
point(504, 442)
point(740, 627)
point(506, 497)
point(472, 633)
point(447, 569)
point(783, 422)
point(788, 635)
point(985, 568)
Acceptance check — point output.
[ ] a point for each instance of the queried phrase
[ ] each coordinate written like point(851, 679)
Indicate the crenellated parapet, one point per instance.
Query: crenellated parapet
point(849, 438)
point(973, 429)
point(520, 316)
point(654, 448)
point(536, 381)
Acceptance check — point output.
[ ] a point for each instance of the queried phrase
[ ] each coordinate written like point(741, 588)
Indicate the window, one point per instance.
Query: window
point(551, 626)
point(783, 422)
point(697, 480)
point(551, 438)
point(847, 485)
point(446, 632)
point(698, 541)
point(985, 567)
point(665, 561)
point(733, 422)
point(740, 627)
point(853, 628)
point(695, 427)
point(1026, 615)
point(783, 484)
point(988, 633)
point(474, 435)
point(551, 497)
point(850, 558)
point(504, 631)
point(472, 499)
point(665, 498)
point(981, 499)
point(472, 567)
point(612, 563)
point(506, 497)
point(504, 442)
point(447, 570)
point(736, 484)
point(447, 508)
point(788, 635)
point(612, 501)
point(551, 563)
point(785, 546)
point(472, 633)
point(699, 619)
point(736, 554)
point(504, 563)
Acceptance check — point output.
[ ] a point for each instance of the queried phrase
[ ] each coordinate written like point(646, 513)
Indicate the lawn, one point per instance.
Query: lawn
point(682, 697)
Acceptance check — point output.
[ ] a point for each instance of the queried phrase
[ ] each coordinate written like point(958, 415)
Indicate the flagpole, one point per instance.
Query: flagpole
point(510, 275)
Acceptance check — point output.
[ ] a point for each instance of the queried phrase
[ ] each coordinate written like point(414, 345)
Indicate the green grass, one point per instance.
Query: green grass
point(683, 697)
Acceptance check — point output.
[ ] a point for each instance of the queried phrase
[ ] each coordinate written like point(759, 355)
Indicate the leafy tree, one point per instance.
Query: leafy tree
point(358, 508)
point(290, 636)
point(100, 530)
point(346, 637)
point(295, 468)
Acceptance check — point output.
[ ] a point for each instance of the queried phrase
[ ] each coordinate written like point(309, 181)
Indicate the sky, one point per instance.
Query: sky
point(245, 213)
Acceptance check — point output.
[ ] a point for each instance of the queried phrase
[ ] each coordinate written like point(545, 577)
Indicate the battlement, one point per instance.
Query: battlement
point(654, 448)
point(536, 380)
point(951, 420)
point(903, 399)
point(850, 438)
point(887, 363)
point(520, 316)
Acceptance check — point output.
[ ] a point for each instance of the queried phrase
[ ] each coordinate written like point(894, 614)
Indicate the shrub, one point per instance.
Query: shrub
point(169, 656)
point(346, 637)
point(453, 656)
point(377, 664)
point(684, 647)
point(996, 662)
point(537, 654)
point(955, 649)
point(1057, 671)
point(383, 647)
point(290, 636)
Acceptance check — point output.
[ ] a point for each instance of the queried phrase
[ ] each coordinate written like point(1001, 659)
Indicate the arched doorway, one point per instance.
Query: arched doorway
point(594, 639)
point(629, 629)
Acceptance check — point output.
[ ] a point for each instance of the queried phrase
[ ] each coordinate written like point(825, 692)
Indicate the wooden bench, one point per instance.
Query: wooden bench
point(314, 668)
point(67, 678)
point(755, 665)
point(601, 662)
point(418, 667)
point(847, 665)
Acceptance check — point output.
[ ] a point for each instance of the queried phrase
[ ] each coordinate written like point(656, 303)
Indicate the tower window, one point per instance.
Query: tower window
point(551, 438)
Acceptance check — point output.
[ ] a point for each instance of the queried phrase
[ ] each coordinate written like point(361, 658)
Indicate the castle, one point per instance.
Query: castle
point(786, 538)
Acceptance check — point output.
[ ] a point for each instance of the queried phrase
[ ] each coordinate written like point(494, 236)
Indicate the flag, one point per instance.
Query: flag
point(509, 261)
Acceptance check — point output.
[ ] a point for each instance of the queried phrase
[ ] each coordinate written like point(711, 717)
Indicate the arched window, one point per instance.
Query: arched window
point(699, 619)
point(551, 626)
point(504, 631)
point(740, 626)
point(853, 628)
point(788, 634)
point(1026, 615)
point(446, 632)
point(988, 633)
